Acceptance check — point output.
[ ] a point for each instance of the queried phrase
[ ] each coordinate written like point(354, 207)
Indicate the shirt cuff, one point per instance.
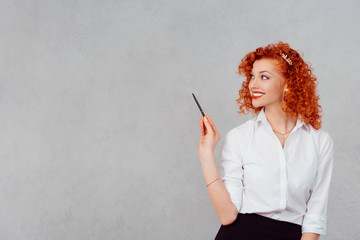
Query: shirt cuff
point(314, 224)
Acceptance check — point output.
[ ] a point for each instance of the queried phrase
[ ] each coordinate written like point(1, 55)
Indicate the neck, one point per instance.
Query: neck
point(278, 119)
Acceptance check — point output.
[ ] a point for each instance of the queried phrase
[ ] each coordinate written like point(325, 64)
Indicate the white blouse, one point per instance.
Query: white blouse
point(290, 184)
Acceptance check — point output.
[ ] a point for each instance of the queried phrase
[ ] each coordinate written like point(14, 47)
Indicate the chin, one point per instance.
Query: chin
point(257, 105)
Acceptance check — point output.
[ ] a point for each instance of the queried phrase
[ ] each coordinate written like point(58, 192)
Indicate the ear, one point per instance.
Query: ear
point(285, 88)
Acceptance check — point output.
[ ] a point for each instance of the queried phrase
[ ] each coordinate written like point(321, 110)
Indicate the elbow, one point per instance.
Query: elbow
point(229, 219)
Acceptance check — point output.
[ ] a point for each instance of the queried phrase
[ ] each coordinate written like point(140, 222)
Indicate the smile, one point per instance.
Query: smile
point(257, 95)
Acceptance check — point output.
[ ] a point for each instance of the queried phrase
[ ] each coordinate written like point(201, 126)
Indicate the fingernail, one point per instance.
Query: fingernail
point(205, 119)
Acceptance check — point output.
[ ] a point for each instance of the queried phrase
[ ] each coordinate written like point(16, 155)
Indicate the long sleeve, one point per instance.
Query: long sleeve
point(315, 219)
point(231, 167)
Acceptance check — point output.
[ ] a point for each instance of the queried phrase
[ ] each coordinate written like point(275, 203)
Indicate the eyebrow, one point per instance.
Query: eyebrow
point(262, 72)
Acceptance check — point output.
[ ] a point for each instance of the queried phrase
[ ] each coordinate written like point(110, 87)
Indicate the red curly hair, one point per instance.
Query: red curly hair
point(301, 100)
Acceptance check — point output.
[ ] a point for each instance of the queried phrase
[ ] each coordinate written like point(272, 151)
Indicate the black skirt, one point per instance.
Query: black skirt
point(256, 227)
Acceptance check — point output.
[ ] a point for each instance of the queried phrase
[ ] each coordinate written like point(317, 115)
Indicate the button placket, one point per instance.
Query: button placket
point(283, 179)
point(283, 171)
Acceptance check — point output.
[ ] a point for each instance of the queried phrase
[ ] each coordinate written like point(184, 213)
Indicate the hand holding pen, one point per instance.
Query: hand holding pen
point(209, 136)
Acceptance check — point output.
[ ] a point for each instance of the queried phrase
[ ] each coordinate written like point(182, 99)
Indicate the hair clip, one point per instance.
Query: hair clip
point(286, 57)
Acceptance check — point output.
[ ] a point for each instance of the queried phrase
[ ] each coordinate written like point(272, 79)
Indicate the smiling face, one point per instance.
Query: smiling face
point(267, 84)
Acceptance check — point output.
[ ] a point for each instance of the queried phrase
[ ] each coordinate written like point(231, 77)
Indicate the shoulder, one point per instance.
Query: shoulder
point(320, 135)
point(239, 136)
point(241, 130)
point(323, 141)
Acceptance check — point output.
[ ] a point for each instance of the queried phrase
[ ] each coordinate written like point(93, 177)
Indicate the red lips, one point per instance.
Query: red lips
point(256, 97)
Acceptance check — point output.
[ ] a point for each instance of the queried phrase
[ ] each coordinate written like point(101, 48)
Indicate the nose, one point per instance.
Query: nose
point(253, 84)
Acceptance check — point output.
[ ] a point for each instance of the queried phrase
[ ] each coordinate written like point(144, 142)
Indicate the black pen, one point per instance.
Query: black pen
point(198, 105)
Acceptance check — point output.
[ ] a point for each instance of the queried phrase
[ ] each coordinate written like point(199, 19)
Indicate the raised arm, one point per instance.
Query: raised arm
point(225, 209)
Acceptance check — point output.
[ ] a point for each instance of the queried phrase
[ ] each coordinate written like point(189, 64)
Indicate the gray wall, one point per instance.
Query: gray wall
point(98, 129)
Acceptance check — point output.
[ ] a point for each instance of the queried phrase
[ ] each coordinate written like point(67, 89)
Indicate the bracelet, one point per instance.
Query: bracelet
point(212, 182)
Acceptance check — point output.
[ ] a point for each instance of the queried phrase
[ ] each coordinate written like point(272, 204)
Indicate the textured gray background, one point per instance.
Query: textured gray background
point(98, 129)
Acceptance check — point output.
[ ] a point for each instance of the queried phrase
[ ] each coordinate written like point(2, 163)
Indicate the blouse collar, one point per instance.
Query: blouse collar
point(261, 117)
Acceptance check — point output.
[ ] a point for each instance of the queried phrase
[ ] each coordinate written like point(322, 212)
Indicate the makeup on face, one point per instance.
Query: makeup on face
point(265, 80)
point(256, 94)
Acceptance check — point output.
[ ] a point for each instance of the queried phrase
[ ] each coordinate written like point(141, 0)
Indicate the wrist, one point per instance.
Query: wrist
point(207, 160)
point(206, 153)
point(216, 179)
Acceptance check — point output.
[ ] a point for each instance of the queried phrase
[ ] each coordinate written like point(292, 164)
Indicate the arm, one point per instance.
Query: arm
point(310, 236)
point(219, 196)
point(315, 217)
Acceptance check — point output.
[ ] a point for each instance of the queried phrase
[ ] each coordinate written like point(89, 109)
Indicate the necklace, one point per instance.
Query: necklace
point(283, 134)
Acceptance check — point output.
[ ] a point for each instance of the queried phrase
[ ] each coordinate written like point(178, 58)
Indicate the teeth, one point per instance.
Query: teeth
point(258, 94)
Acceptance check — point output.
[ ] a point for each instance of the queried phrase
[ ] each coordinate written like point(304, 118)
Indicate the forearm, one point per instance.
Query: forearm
point(310, 236)
point(219, 196)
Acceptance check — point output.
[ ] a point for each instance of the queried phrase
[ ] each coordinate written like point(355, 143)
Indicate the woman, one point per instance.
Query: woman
point(277, 166)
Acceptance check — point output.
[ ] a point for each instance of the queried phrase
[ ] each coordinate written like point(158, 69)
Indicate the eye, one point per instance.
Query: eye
point(251, 76)
point(264, 77)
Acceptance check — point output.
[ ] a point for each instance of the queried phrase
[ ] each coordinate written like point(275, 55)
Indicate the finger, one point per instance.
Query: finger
point(208, 125)
point(202, 130)
point(211, 123)
point(205, 127)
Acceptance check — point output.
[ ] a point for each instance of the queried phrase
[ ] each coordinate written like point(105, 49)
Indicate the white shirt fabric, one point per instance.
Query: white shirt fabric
point(289, 184)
